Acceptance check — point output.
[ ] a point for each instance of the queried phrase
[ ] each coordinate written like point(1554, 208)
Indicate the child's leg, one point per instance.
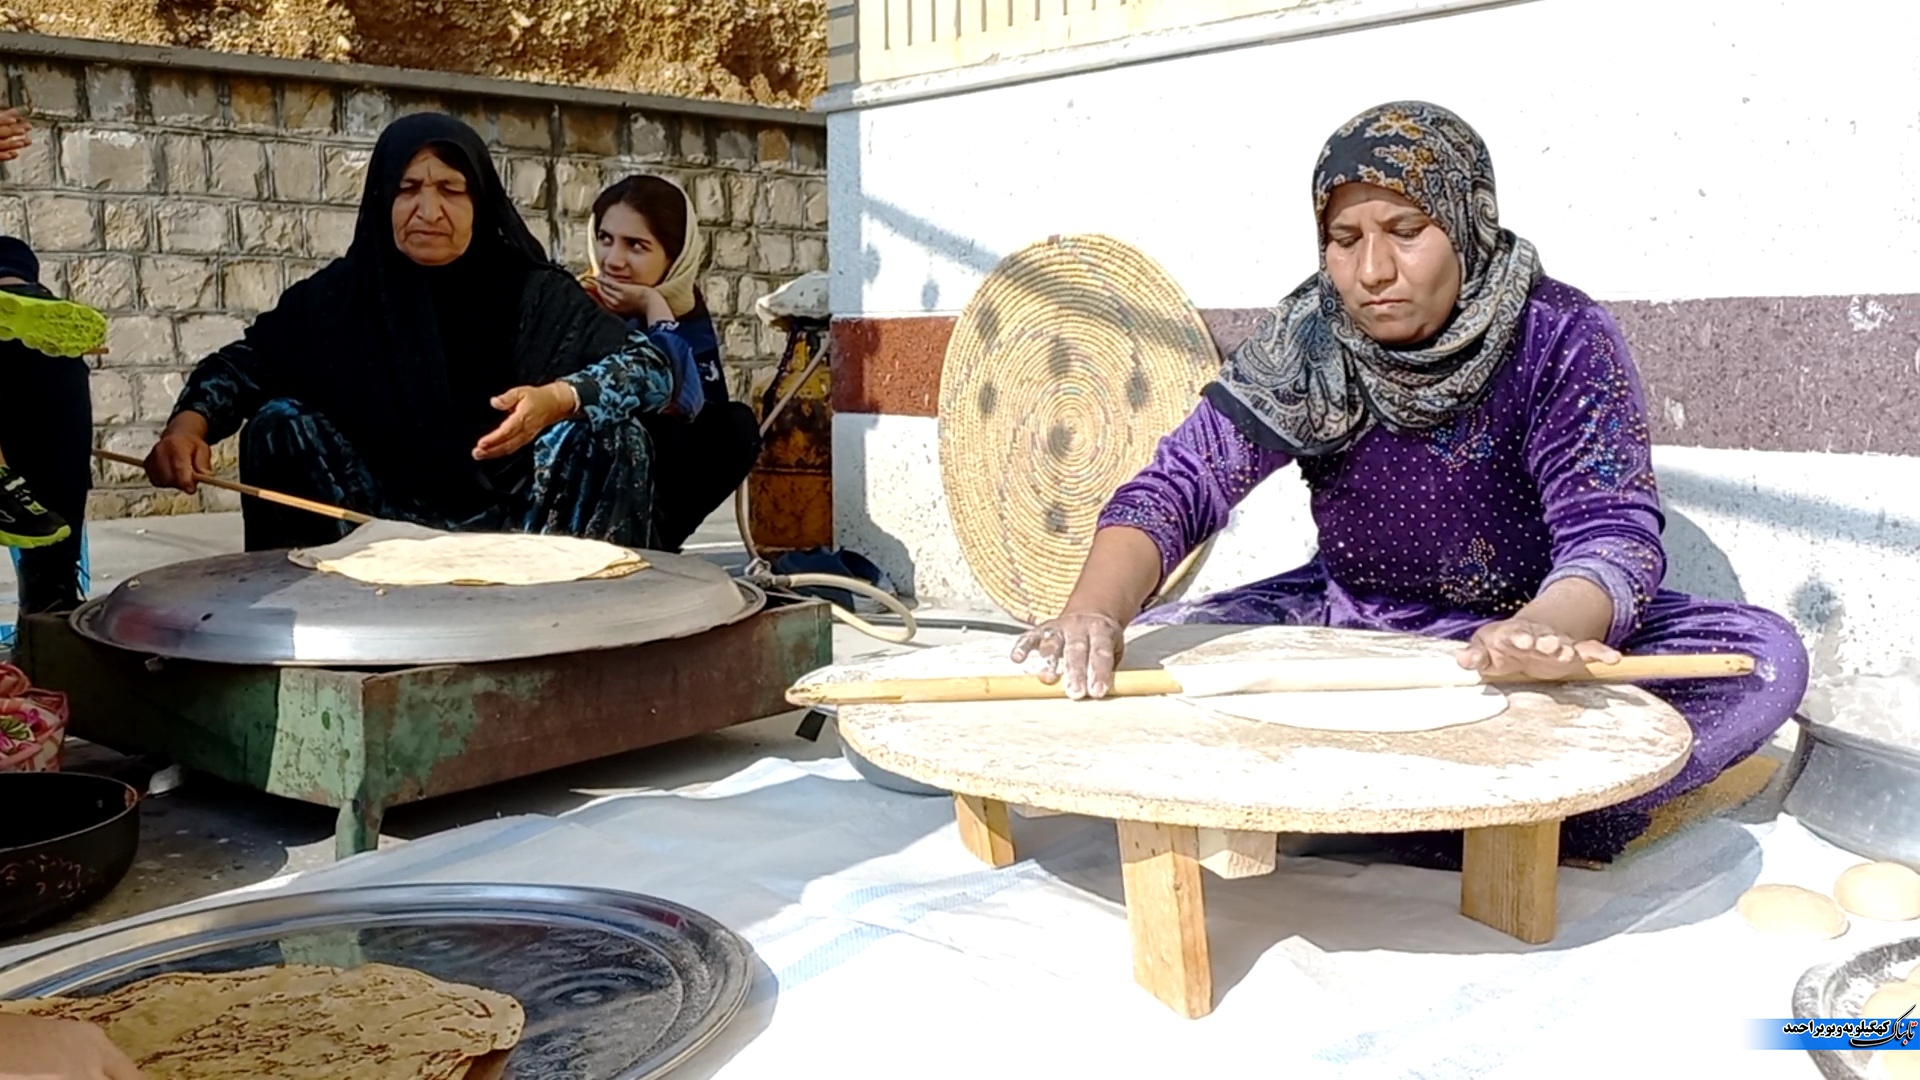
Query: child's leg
point(50, 447)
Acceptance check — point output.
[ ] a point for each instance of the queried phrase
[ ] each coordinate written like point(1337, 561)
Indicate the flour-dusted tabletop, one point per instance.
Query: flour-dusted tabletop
point(1191, 787)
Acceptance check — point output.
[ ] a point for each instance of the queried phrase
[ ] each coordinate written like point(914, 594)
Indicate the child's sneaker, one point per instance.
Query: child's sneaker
point(24, 523)
point(51, 326)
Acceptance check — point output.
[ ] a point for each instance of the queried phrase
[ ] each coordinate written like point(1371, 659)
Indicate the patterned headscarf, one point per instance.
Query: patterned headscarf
point(1308, 381)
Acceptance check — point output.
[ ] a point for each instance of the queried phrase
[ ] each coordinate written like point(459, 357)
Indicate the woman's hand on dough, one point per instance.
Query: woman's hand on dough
point(1532, 648)
point(1083, 648)
point(43, 1049)
point(530, 410)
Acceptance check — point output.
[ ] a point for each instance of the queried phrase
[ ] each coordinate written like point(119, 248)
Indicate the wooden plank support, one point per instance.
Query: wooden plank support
point(985, 829)
point(1166, 914)
point(1230, 854)
point(1508, 878)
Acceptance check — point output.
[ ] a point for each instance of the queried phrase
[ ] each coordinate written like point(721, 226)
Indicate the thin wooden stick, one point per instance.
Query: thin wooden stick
point(294, 501)
point(1282, 676)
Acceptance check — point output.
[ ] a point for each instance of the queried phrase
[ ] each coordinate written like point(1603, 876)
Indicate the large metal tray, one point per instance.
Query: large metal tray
point(1858, 793)
point(1841, 989)
point(615, 986)
point(260, 608)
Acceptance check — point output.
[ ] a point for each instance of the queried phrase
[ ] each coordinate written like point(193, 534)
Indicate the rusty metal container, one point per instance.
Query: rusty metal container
point(790, 490)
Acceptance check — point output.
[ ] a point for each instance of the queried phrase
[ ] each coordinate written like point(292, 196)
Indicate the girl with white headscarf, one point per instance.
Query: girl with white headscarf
point(650, 252)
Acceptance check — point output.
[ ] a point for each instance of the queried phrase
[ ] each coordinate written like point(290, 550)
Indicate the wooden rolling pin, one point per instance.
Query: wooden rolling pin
point(1286, 675)
point(294, 501)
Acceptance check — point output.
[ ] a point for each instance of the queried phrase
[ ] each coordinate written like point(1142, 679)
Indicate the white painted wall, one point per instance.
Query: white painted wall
point(1653, 150)
point(1832, 541)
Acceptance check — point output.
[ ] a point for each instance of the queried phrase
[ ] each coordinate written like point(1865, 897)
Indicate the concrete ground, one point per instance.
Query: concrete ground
point(207, 836)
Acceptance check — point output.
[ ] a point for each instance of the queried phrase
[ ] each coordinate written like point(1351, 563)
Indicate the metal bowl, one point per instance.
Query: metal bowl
point(75, 837)
point(1841, 989)
point(1857, 793)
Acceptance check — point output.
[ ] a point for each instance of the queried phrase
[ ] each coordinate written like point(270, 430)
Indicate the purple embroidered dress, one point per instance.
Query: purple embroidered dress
point(1439, 532)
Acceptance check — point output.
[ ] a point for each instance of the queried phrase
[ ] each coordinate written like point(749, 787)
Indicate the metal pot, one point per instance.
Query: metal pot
point(71, 837)
point(1858, 793)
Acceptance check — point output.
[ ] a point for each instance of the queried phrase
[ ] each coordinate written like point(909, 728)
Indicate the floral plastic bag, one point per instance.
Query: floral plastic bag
point(33, 724)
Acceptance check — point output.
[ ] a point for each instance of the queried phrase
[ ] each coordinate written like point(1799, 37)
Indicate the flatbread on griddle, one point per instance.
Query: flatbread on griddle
point(485, 559)
point(298, 1022)
point(399, 553)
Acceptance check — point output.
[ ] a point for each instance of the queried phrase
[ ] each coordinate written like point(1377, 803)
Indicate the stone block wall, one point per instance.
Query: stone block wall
point(181, 200)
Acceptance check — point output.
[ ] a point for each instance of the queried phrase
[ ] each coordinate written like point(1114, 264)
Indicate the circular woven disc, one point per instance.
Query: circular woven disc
point(1071, 362)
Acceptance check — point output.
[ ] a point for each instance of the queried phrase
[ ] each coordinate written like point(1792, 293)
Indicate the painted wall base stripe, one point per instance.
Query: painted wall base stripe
point(1832, 374)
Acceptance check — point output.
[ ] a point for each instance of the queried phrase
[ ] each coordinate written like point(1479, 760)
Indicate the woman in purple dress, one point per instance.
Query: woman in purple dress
point(1474, 439)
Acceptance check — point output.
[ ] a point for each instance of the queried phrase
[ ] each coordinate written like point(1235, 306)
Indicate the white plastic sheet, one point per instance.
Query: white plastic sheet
point(889, 952)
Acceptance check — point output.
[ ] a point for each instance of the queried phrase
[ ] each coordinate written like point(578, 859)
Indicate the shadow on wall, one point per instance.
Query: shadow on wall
point(942, 242)
point(1875, 528)
point(1695, 564)
point(855, 527)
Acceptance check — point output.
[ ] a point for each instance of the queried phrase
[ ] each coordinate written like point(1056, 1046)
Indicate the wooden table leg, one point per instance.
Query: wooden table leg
point(985, 829)
point(1160, 868)
point(1508, 875)
point(1232, 854)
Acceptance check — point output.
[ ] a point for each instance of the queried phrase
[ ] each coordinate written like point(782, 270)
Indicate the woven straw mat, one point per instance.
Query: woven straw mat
point(1067, 367)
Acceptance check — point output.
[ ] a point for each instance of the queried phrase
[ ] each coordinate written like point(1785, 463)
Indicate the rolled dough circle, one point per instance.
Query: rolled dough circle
point(1887, 891)
point(1891, 1000)
point(1791, 911)
point(1387, 711)
point(483, 559)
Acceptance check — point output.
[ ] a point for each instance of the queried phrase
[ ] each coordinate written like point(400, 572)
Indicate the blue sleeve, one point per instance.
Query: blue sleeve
point(1198, 474)
point(637, 378)
point(689, 396)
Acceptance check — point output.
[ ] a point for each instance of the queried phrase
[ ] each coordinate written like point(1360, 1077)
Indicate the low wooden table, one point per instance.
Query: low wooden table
point(1191, 789)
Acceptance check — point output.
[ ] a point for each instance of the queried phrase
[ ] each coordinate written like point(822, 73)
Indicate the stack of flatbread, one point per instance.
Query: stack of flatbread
point(301, 1022)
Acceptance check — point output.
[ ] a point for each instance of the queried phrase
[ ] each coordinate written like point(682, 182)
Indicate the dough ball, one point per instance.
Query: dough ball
point(1886, 891)
point(1891, 1000)
point(1791, 911)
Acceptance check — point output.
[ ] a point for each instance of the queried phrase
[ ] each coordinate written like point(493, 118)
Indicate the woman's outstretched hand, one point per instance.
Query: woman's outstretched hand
point(1532, 648)
point(530, 410)
point(1083, 648)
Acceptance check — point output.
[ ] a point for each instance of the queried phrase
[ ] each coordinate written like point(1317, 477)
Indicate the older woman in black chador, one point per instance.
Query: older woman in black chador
point(444, 371)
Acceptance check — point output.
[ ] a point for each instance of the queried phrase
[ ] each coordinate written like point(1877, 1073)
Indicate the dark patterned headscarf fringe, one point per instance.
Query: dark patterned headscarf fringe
point(1309, 382)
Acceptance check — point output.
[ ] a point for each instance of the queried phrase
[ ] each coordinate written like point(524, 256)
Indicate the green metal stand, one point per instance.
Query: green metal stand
point(362, 741)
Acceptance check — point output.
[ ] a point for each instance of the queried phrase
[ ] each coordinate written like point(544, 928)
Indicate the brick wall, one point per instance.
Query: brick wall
point(181, 198)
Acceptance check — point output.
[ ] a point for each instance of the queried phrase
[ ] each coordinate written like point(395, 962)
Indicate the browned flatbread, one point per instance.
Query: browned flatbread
point(299, 1022)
